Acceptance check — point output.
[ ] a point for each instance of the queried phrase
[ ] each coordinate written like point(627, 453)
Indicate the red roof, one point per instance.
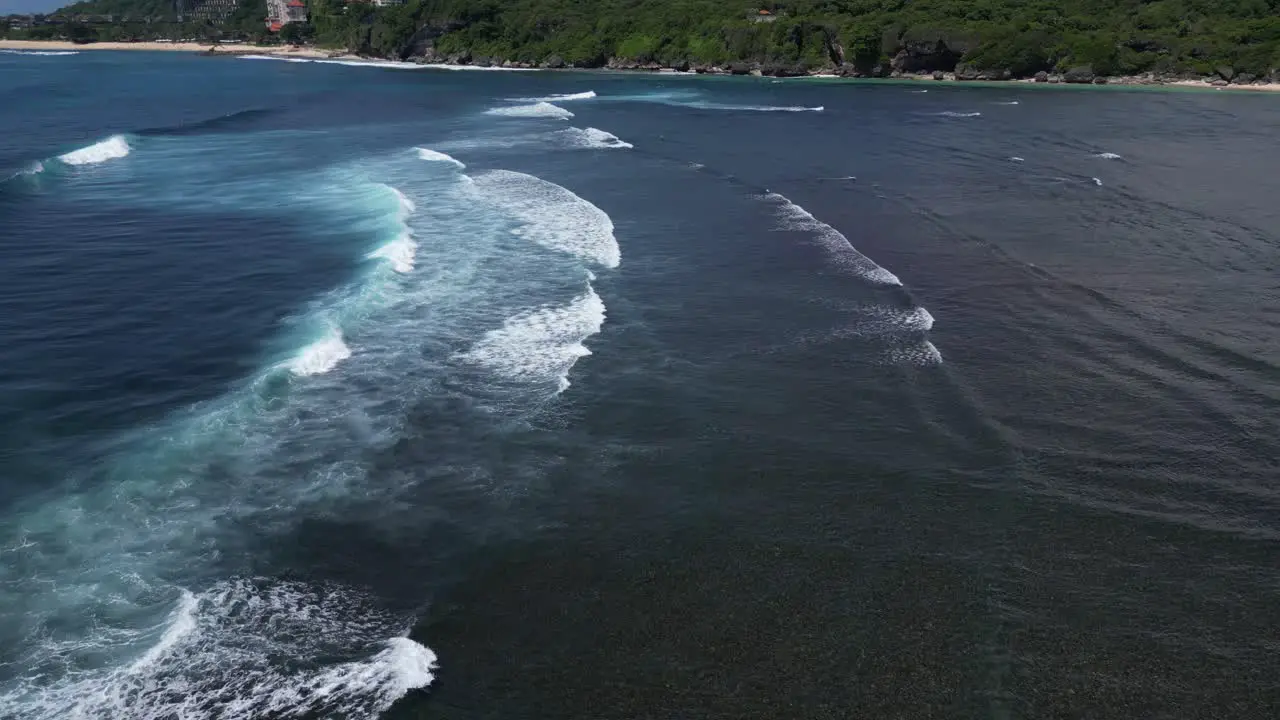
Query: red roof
point(275, 27)
point(296, 3)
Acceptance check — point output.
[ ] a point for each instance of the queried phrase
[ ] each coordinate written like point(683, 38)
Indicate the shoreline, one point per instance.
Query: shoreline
point(313, 53)
point(191, 47)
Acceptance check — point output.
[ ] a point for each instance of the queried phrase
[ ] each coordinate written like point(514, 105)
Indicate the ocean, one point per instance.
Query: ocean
point(342, 391)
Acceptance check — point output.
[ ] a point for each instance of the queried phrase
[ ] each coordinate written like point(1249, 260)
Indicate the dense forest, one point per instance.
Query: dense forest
point(1018, 37)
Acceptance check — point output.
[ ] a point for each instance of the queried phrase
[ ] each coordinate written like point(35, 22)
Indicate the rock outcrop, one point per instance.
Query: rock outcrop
point(1081, 74)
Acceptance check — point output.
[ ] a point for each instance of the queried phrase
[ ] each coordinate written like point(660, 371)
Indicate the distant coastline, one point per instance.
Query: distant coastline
point(313, 53)
point(208, 48)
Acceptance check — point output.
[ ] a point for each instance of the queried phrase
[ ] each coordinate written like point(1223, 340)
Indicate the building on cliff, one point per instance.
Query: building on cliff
point(283, 12)
point(215, 11)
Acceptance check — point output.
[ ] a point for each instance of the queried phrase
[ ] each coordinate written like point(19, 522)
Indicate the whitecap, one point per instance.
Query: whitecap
point(1015, 158)
point(592, 138)
point(552, 216)
point(795, 217)
point(541, 345)
point(322, 355)
point(924, 354)
point(954, 114)
point(1097, 182)
point(113, 147)
point(45, 53)
point(401, 253)
point(1008, 102)
point(1108, 156)
point(567, 97)
point(537, 110)
point(434, 156)
point(225, 653)
point(749, 108)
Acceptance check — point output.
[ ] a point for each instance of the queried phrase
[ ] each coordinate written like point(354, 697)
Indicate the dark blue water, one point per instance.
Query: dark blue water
point(335, 391)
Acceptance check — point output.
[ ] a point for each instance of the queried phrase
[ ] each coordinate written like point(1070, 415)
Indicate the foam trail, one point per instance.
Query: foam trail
point(922, 355)
point(1108, 156)
point(321, 356)
point(1009, 102)
point(537, 110)
point(593, 138)
point(795, 217)
point(1015, 158)
point(113, 147)
point(568, 97)
point(1097, 182)
point(953, 114)
point(542, 345)
point(552, 216)
point(433, 156)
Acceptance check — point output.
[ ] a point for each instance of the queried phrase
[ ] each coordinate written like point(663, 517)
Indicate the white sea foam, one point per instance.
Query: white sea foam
point(322, 355)
point(795, 217)
point(1015, 158)
point(750, 108)
point(592, 138)
point(391, 65)
point(923, 354)
point(568, 97)
point(240, 649)
point(1108, 156)
point(894, 320)
point(537, 110)
point(433, 156)
point(401, 251)
point(541, 345)
point(1008, 102)
point(46, 53)
point(113, 147)
point(954, 114)
point(1097, 182)
point(552, 216)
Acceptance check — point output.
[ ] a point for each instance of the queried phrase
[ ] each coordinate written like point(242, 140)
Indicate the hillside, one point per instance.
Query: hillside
point(988, 38)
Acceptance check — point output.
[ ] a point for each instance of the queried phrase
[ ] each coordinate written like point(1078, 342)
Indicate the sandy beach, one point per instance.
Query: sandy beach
point(229, 48)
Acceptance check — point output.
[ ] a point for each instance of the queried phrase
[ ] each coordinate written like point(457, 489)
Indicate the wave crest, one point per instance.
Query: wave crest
point(541, 345)
point(112, 148)
point(537, 110)
point(593, 139)
point(795, 217)
point(552, 216)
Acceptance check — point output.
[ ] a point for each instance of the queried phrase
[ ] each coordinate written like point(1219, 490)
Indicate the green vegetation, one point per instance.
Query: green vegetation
point(1022, 36)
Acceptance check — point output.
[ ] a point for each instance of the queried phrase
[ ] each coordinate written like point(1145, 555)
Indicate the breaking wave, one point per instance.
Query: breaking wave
point(321, 356)
point(751, 108)
point(434, 156)
point(401, 251)
point(269, 631)
point(552, 216)
point(45, 53)
point(794, 217)
point(112, 148)
point(954, 114)
point(1109, 156)
point(541, 345)
point(568, 97)
point(593, 138)
point(537, 110)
